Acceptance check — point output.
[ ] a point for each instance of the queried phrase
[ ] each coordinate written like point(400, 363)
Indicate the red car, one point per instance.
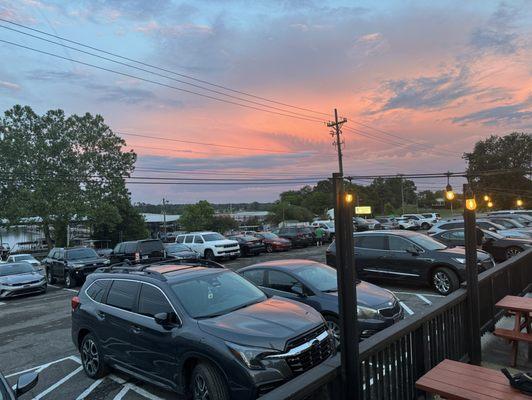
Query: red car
point(274, 242)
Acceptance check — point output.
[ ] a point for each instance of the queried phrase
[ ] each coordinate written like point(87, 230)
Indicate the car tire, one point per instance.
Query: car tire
point(269, 248)
point(444, 281)
point(209, 255)
point(333, 324)
point(49, 276)
point(92, 358)
point(401, 227)
point(208, 382)
point(70, 281)
point(425, 226)
point(512, 251)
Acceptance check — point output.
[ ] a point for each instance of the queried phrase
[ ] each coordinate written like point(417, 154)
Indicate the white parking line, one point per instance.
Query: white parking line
point(71, 290)
point(57, 384)
point(407, 309)
point(133, 387)
point(415, 294)
point(122, 393)
point(89, 389)
point(39, 368)
point(424, 299)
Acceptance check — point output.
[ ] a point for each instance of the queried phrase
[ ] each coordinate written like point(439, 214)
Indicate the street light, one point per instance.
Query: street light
point(519, 203)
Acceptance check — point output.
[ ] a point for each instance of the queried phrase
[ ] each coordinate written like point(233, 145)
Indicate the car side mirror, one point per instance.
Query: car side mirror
point(492, 229)
point(298, 289)
point(412, 250)
point(25, 383)
point(166, 320)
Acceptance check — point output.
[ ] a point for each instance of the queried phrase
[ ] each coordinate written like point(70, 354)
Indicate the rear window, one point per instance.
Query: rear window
point(151, 246)
point(370, 242)
point(129, 247)
point(97, 290)
point(256, 276)
point(79, 254)
point(123, 294)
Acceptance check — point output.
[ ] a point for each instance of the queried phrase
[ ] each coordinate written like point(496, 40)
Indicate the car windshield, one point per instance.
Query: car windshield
point(249, 238)
point(15, 269)
point(212, 237)
point(173, 248)
point(493, 235)
point(79, 254)
point(212, 295)
point(427, 215)
point(322, 277)
point(427, 242)
point(269, 235)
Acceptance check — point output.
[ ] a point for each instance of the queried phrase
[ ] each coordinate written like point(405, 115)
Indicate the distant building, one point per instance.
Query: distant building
point(244, 216)
point(155, 222)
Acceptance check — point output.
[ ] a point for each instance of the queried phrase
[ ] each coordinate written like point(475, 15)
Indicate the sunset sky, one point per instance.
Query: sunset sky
point(420, 82)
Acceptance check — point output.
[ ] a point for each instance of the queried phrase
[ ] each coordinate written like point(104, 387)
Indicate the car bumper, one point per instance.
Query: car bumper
point(14, 291)
point(231, 252)
point(368, 328)
point(281, 246)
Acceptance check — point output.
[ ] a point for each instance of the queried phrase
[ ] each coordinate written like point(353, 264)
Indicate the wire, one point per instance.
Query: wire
point(157, 82)
point(165, 70)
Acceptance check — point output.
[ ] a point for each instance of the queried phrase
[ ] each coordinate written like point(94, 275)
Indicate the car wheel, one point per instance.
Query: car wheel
point(92, 358)
point(444, 281)
point(70, 282)
point(425, 226)
point(334, 325)
point(401, 227)
point(269, 248)
point(209, 255)
point(208, 383)
point(49, 277)
point(512, 251)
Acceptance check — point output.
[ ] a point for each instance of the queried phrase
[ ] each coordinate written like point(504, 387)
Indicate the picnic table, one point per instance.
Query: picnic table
point(521, 307)
point(454, 380)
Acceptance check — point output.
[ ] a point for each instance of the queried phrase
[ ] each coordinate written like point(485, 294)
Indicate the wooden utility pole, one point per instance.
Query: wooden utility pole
point(336, 132)
point(164, 216)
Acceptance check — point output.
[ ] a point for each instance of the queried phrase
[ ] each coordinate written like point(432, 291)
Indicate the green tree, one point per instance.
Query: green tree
point(282, 211)
point(58, 167)
point(197, 217)
point(511, 153)
point(223, 223)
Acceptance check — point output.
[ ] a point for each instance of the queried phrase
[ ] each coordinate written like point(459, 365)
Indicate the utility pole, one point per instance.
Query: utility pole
point(336, 125)
point(402, 195)
point(164, 215)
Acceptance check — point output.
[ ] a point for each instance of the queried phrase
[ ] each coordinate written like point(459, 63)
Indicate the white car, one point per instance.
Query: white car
point(481, 223)
point(407, 223)
point(210, 245)
point(422, 221)
point(27, 258)
point(326, 225)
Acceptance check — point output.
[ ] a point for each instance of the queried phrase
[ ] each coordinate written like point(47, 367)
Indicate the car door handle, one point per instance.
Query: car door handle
point(136, 329)
point(100, 315)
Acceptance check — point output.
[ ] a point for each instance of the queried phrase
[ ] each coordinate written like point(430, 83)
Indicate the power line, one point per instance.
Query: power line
point(157, 82)
point(165, 70)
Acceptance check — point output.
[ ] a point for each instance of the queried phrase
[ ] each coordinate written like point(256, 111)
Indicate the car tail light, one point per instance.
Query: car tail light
point(137, 256)
point(75, 303)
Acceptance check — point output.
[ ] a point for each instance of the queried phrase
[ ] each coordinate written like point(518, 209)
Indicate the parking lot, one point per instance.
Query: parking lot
point(35, 335)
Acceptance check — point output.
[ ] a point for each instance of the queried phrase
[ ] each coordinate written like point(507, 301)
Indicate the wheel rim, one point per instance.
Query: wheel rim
point(512, 252)
point(335, 328)
point(269, 248)
point(90, 357)
point(67, 280)
point(200, 388)
point(49, 275)
point(442, 282)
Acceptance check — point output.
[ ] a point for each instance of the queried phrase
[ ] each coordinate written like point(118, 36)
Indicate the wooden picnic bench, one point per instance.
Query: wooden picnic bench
point(454, 380)
point(521, 307)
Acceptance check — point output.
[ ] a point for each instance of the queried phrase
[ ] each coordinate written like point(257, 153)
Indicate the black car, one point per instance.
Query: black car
point(72, 265)
point(316, 284)
point(299, 236)
point(249, 245)
point(138, 251)
point(196, 328)
point(410, 257)
point(18, 279)
point(25, 383)
point(500, 247)
point(179, 251)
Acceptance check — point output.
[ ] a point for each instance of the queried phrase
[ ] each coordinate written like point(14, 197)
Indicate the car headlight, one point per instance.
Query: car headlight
point(106, 262)
point(366, 312)
point(459, 260)
point(250, 356)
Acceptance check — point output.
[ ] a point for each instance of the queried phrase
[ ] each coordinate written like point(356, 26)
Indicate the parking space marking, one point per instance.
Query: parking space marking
point(415, 294)
point(134, 388)
point(58, 383)
point(424, 299)
point(89, 389)
point(71, 290)
point(406, 308)
point(122, 393)
point(39, 368)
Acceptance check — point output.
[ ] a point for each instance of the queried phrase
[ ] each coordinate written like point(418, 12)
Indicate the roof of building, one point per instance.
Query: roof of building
point(159, 218)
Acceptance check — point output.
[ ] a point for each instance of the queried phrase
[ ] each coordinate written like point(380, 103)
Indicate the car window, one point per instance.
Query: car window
point(212, 237)
point(198, 239)
point(189, 239)
point(427, 215)
point(123, 294)
point(281, 281)
point(60, 254)
point(396, 243)
point(457, 235)
point(151, 246)
point(451, 226)
point(322, 277)
point(130, 247)
point(80, 254)
point(152, 301)
point(97, 290)
point(256, 276)
point(117, 248)
point(180, 239)
point(370, 242)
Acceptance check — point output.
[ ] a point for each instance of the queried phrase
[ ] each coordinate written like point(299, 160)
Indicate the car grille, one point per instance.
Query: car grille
point(390, 312)
point(228, 246)
point(305, 337)
point(25, 283)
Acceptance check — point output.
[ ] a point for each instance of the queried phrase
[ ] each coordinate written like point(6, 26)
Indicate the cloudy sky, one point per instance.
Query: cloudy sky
point(419, 82)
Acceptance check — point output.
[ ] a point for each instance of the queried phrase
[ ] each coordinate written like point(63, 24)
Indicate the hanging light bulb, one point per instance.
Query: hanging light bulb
point(349, 198)
point(449, 194)
point(486, 198)
point(519, 203)
point(470, 202)
point(490, 204)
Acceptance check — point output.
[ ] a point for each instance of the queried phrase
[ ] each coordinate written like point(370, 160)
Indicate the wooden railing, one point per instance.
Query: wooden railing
point(392, 360)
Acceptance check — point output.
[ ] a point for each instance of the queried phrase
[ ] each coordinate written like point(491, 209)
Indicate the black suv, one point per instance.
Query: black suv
point(196, 328)
point(298, 235)
point(410, 257)
point(138, 251)
point(72, 265)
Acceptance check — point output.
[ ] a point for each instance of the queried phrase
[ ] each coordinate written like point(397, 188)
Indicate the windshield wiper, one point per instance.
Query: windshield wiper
point(330, 290)
point(227, 311)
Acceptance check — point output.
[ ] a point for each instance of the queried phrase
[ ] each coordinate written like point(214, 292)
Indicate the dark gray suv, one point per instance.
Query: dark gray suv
point(196, 328)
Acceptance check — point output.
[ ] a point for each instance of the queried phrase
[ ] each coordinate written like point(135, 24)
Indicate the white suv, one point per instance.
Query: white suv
point(421, 221)
point(210, 245)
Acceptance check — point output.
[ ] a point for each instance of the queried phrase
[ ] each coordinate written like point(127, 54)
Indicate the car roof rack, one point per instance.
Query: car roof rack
point(128, 268)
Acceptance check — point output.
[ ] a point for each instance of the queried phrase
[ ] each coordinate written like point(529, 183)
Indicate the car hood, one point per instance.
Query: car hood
point(21, 278)
point(372, 296)
point(460, 252)
point(223, 242)
point(268, 324)
point(513, 233)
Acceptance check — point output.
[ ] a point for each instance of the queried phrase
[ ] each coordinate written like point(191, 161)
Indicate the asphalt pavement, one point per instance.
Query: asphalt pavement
point(35, 335)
